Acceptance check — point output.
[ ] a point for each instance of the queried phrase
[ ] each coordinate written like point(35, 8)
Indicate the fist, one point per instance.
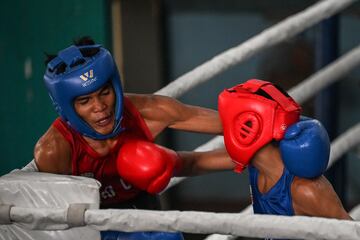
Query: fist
point(146, 165)
point(305, 148)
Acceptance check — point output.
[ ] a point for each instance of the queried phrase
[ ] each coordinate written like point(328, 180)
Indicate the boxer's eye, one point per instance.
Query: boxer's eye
point(82, 100)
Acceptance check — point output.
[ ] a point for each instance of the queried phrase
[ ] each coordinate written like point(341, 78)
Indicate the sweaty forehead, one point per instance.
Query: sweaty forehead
point(106, 86)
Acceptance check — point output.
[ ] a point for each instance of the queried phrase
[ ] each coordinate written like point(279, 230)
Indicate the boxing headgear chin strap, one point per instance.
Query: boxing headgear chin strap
point(250, 121)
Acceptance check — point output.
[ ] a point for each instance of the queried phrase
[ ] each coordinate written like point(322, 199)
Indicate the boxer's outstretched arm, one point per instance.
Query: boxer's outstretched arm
point(149, 166)
point(160, 112)
point(197, 163)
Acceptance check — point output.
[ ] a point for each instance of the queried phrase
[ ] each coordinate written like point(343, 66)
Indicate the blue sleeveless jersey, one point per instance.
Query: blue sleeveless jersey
point(277, 200)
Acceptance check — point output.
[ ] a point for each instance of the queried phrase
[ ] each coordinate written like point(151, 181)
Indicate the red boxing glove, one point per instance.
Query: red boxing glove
point(146, 165)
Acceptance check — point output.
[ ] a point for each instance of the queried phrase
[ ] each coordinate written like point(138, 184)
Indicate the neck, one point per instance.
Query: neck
point(104, 141)
point(102, 147)
point(268, 161)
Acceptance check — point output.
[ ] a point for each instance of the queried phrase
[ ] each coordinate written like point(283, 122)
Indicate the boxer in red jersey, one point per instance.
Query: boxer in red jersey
point(66, 148)
point(97, 121)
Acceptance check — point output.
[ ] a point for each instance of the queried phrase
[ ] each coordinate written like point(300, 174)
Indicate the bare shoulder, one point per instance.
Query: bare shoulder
point(144, 101)
point(313, 186)
point(136, 99)
point(316, 197)
point(53, 153)
point(160, 112)
point(308, 191)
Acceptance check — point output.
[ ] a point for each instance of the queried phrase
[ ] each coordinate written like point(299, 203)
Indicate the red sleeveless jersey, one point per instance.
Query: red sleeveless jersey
point(87, 162)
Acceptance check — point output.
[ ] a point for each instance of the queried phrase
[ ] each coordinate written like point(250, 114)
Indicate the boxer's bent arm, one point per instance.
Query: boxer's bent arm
point(52, 153)
point(161, 112)
point(197, 163)
point(316, 197)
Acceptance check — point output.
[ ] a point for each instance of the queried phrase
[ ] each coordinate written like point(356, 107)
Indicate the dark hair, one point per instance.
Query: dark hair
point(83, 41)
point(264, 94)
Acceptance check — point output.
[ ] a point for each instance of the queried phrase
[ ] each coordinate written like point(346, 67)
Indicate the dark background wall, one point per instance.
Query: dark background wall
point(27, 30)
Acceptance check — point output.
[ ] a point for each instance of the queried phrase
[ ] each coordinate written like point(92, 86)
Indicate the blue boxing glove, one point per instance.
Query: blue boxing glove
point(116, 235)
point(305, 148)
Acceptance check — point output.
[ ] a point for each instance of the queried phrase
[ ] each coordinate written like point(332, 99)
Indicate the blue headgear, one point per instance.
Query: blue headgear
point(82, 79)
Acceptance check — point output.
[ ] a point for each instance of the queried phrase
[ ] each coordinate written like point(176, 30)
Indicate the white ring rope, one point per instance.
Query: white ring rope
point(329, 74)
point(355, 212)
point(247, 210)
point(261, 226)
point(344, 143)
point(216, 142)
point(225, 223)
point(269, 37)
point(220, 237)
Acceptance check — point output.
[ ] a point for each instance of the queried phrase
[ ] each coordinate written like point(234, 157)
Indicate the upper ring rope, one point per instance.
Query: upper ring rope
point(329, 74)
point(269, 37)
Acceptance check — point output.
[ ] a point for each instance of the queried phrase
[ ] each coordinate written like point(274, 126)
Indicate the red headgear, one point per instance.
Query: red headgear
point(250, 121)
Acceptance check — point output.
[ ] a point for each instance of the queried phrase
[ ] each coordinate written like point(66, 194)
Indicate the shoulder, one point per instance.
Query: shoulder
point(150, 100)
point(155, 107)
point(158, 112)
point(53, 153)
point(304, 184)
point(307, 189)
point(313, 188)
point(316, 197)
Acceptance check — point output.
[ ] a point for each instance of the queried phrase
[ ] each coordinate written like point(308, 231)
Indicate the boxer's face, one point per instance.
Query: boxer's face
point(97, 109)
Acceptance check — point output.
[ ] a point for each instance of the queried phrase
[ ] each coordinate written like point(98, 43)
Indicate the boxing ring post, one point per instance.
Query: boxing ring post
point(327, 101)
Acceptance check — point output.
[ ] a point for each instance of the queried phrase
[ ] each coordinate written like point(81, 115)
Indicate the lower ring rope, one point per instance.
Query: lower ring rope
point(220, 237)
point(247, 210)
point(355, 213)
point(260, 226)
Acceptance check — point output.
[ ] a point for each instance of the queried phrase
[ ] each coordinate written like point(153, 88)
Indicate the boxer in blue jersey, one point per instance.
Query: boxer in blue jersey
point(286, 155)
point(277, 200)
